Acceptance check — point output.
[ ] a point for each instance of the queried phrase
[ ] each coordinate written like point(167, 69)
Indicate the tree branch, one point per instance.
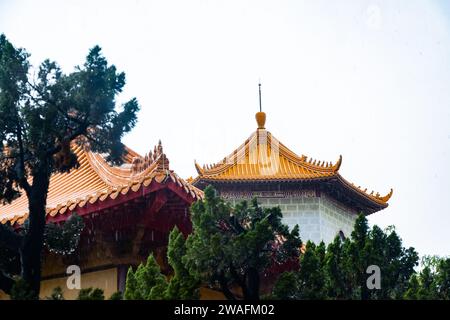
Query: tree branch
point(82, 123)
point(239, 280)
point(80, 130)
point(55, 104)
point(22, 178)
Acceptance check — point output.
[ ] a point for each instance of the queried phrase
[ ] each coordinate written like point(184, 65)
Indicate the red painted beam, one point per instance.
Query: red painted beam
point(109, 203)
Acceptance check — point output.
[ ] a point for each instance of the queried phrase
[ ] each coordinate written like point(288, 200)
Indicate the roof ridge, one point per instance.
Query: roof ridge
point(247, 163)
point(95, 167)
point(139, 166)
point(242, 152)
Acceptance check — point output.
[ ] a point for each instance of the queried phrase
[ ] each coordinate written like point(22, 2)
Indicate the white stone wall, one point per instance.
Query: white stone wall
point(319, 218)
point(335, 217)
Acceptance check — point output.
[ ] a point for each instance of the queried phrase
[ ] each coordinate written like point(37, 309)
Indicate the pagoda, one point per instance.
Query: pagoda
point(128, 212)
point(310, 193)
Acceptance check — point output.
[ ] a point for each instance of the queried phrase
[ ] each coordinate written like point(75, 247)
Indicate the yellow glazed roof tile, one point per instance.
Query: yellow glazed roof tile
point(95, 180)
point(266, 160)
point(263, 158)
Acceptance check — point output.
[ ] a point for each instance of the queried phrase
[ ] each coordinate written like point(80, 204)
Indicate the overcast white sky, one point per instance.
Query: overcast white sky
point(365, 79)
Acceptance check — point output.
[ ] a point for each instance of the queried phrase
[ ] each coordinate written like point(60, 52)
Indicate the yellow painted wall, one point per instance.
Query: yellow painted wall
point(210, 294)
point(3, 296)
point(104, 279)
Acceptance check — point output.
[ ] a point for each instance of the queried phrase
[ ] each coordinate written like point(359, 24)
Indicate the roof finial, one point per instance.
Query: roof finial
point(259, 85)
point(260, 116)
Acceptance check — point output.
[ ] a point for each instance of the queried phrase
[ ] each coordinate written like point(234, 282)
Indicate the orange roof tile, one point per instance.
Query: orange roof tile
point(263, 158)
point(95, 180)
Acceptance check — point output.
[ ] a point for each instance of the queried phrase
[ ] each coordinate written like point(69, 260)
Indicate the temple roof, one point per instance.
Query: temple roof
point(262, 158)
point(95, 180)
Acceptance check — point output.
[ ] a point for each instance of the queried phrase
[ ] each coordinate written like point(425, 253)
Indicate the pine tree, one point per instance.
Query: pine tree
point(231, 246)
point(42, 114)
point(147, 283)
point(443, 279)
point(412, 292)
point(116, 296)
point(427, 290)
point(286, 286)
point(311, 276)
point(131, 291)
point(183, 285)
point(91, 294)
point(334, 269)
point(432, 282)
point(21, 290)
point(339, 272)
point(358, 256)
point(150, 283)
point(57, 294)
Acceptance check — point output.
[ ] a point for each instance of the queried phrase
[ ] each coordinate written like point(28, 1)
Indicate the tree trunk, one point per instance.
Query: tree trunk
point(224, 287)
point(364, 291)
point(34, 239)
point(252, 284)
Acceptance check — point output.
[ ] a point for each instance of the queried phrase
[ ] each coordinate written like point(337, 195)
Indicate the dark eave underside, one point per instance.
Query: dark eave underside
point(333, 186)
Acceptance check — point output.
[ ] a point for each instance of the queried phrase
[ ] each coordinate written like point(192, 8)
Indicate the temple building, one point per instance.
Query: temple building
point(310, 193)
point(128, 212)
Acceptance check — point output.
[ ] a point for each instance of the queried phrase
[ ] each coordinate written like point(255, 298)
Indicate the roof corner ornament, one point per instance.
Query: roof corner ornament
point(140, 164)
point(386, 197)
point(160, 157)
point(198, 168)
point(137, 165)
point(337, 165)
point(160, 148)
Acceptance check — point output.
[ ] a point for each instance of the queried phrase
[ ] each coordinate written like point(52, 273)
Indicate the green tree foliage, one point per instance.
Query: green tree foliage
point(336, 268)
point(311, 276)
point(131, 291)
point(339, 270)
point(57, 294)
point(229, 246)
point(286, 287)
point(43, 111)
point(151, 283)
point(9, 261)
point(85, 294)
point(21, 290)
point(309, 281)
point(60, 238)
point(414, 286)
point(116, 296)
point(183, 285)
point(232, 246)
point(148, 283)
point(91, 294)
point(443, 279)
point(432, 282)
point(63, 238)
